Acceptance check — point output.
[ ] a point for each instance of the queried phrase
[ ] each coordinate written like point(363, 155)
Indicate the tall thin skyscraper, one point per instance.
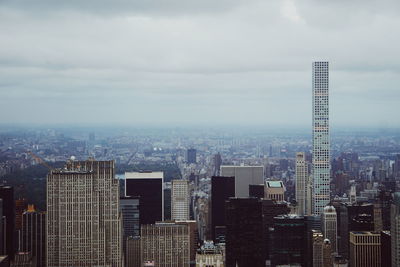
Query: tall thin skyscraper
point(329, 225)
point(321, 148)
point(7, 195)
point(83, 223)
point(180, 200)
point(301, 183)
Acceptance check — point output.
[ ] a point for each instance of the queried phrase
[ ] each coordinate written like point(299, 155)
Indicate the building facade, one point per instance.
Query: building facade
point(395, 229)
point(8, 208)
point(321, 144)
point(329, 225)
point(275, 190)
point(365, 249)
point(210, 255)
point(244, 176)
point(180, 200)
point(302, 183)
point(83, 223)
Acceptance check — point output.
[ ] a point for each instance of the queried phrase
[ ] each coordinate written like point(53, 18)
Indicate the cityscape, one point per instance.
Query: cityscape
point(170, 133)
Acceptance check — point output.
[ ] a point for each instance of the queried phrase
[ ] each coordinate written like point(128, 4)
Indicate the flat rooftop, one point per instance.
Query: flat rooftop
point(144, 175)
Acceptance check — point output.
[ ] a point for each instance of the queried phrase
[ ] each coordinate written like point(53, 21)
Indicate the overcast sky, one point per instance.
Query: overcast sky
point(195, 62)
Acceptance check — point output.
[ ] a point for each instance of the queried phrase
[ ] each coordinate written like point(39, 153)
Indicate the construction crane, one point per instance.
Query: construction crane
point(39, 160)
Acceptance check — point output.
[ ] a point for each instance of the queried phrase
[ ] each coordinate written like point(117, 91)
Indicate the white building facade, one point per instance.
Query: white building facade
point(180, 200)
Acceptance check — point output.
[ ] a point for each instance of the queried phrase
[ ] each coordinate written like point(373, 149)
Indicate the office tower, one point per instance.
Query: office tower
point(180, 200)
point(317, 245)
point(7, 195)
point(256, 190)
point(329, 225)
point(193, 238)
point(386, 249)
point(302, 183)
point(217, 163)
point(83, 221)
point(222, 188)
point(354, 217)
point(129, 208)
point(210, 255)
point(289, 241)
point(244, 233)
point(395, 229)
point(191, 156)
point(148, 186)
point(365, 249)
point(321, 149)
point(166, 244)
point(271, 209)
point(167, 201)
point(23, 259)
point(244, 176)
point(275, 190)
point(20, 207)
point(33, 235)
point(133, 257)
point(327, 254)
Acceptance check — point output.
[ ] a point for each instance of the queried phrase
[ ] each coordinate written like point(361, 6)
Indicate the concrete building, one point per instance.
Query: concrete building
point(244, 176)
point(167, 244)
point(302, 184)
point(129, 208)
point(33, 235)
point(317, 244)
point(321, 147)
point(275, 190)
point(148, 186)
point(365, 249)
point(329, 225)
point(210, 255)
point(8, 208)
point(133, 255)
point(83, 223)
point(395, 229)
point(180, 200)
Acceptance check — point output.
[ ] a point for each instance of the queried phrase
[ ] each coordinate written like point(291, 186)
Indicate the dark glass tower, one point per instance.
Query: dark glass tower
point(244, 233)
point(222, 188)
point(256, 190)
point(191, 155)
point(7, 195)
point(148, 186)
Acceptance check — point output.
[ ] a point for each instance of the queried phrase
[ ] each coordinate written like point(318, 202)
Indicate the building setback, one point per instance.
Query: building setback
point(83, 223)
point(244, 176)
point(321, 147)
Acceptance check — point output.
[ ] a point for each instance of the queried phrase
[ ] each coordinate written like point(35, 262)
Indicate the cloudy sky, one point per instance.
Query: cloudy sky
point(196, 62)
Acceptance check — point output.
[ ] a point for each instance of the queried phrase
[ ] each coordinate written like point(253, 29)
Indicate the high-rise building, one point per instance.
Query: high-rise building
point(210, 255)
point(321, 148)
point(365, 249)
point(191, 155)
point(148, 186)
point(7, 195)
point(166, 244)
point(317, 244)
point(289, 241)
point(302, 183)
point(20, 207)
point(329, 225)
point(244, 176)
point(133, 257)
point(167, 200)
point(83, 221)
point(395, 229)
point(180, 200)
point(386, 249)
point(222, 188)
point(193, 238)
point(257, 191)
point(2, 240)
point(129, 208)
point(244, 233)
point(275, 190)
point(33, 235)
point(217, 163)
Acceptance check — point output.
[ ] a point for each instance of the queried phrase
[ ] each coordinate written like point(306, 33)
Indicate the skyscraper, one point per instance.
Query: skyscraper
point(244, 176)
point(302, 183)
point(222, 188)
point(321, 148)
point(83, 223)
point(148, 186)
point(129, 208)
point(395, 229)
point(33, 237)
point(180, 200)
point(7, 195)
point(191, 155)
point(329, 225)
point(365, 249)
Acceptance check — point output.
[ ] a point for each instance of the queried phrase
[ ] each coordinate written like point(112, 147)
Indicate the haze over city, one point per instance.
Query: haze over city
point(197, 62)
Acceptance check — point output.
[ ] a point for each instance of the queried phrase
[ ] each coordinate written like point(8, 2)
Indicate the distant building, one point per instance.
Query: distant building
point(275, 190)
point(257, 190)
point(321, 149)
point(180, 200)
point(217, 164)
point(365, 249)
point(244, 176)
point(83, 220)
point(7, 195)
point(20, 207)
point(33, 235)
point(244, 228)
point(166, 244)
point(302, 184)
point(148, 186)
point(191, 156)
point(329, 225)
point(210, 255)
point(167, 200)
point(289, 241)
point(222, 188)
